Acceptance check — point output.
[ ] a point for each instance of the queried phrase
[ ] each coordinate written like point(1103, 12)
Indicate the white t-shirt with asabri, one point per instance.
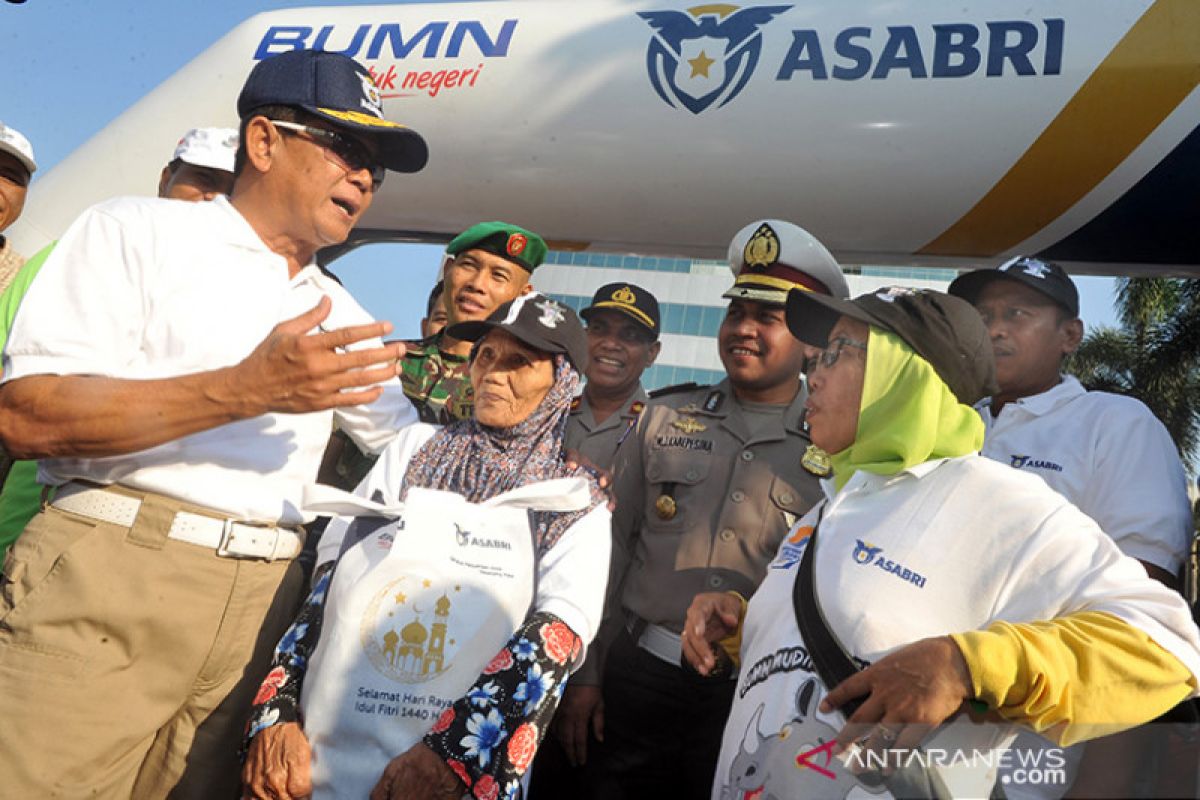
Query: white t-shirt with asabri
point(142, 288)
point(946, 547)
point(1107, 454)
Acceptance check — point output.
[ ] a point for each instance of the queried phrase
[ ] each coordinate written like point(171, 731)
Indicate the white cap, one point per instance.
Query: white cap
point(770, 257)
point(208, 147)
point(11, 141)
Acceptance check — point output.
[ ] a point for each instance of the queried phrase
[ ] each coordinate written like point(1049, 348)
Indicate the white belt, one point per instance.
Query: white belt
point(229, 538)
point(661, 642)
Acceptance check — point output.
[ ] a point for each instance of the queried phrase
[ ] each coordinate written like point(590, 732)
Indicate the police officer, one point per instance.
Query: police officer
point(486, 266)
point(622, 329)
point(707, 485)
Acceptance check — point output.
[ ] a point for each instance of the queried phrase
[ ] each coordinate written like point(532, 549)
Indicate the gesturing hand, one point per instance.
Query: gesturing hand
point(908, 693)
point(278, 765)
point(418, 774)
point(292, 371)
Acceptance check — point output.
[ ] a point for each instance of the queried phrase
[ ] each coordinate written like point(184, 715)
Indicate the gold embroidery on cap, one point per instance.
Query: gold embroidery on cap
point(763, 248)
point(624, 296)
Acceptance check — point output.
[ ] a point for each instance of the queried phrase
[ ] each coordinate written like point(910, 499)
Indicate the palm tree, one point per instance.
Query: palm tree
point(1154, 355)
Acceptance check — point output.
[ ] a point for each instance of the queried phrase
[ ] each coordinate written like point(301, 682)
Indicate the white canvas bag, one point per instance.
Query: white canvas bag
point(415, 611)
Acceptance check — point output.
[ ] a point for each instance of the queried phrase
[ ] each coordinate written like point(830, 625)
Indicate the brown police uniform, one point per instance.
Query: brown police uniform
point(597, 441)
point(705, 494)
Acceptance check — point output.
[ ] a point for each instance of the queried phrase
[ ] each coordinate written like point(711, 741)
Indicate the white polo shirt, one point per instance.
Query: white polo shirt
point(1109, 456)
point(948, 546)
point(143, 288)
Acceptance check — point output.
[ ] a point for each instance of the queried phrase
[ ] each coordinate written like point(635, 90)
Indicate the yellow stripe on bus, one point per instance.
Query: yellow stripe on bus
point(1146, 76)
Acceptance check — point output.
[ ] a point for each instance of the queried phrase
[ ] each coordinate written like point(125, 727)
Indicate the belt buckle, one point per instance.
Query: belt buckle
point(226, 547)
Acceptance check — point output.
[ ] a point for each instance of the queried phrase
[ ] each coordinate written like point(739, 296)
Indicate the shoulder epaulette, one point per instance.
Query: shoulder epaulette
point(676, 389)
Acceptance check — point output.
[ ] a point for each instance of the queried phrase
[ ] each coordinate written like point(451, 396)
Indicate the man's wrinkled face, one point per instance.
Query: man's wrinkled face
point(835, 389)
point(619, 351)
point(756, 347)
point(479, 282)
point(323, 198)
point(1030, 336)
point(14, 183)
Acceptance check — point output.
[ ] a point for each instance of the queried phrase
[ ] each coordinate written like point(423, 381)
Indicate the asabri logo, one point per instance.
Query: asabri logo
point(704, 56)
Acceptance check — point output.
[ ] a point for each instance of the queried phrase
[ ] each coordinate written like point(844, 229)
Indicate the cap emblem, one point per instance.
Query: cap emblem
point(1029, 266)
point(552, 313)
point(516, 244)
point(890, 294)
point(763, 248)
point(625, 296)
point(371, 101)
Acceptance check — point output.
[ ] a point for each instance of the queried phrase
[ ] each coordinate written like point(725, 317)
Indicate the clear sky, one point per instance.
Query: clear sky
point(68, 67)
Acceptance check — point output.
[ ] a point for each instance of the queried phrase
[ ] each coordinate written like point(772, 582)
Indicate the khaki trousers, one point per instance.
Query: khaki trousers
point(128, 660)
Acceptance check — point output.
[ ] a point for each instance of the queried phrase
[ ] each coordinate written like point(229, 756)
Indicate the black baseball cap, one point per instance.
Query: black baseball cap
point(339, 90)
point(628, 299)
point(1044, 276)
point(538, 321)
point(946, 331)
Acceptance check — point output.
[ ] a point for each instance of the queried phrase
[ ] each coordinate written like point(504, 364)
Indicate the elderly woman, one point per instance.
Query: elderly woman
point(431, 653)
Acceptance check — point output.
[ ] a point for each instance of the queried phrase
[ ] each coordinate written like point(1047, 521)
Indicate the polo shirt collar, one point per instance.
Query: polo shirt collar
point(1039, 405)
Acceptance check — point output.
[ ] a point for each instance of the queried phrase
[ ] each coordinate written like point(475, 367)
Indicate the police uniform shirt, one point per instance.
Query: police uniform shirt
point(597, 441)
point(732, 496)
point(1109, 456)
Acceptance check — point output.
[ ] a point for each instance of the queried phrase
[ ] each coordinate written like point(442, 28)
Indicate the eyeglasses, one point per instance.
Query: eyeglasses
point(339, 150)
point(831, 353)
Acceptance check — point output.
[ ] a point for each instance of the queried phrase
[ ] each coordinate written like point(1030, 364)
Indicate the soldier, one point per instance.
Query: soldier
point(707, 485)
point(435, 311)
point(622, 328)
point(486, 266)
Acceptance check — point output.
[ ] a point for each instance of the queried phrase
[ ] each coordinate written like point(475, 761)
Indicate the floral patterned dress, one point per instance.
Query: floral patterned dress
point(490, 735)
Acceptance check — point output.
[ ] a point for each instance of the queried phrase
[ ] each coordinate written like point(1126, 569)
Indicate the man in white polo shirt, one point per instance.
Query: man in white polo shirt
point(181, 418)
point(1105, 453)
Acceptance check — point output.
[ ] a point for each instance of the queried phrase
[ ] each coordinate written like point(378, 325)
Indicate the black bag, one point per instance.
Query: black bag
point(833, 665)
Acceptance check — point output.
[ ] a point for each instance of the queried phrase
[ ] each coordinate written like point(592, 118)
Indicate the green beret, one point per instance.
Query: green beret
point(523, 247)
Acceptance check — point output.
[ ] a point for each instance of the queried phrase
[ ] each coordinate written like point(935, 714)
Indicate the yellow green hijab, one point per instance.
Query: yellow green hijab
point(908, 415)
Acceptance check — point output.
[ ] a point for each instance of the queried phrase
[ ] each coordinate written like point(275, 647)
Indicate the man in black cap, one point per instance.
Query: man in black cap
point(623, 330)
point(181, 420)
point(1107, 454)
point(922, 582)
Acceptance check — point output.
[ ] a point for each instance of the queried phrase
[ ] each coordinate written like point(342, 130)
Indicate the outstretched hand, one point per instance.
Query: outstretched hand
point(907, 694)
point(293, 371)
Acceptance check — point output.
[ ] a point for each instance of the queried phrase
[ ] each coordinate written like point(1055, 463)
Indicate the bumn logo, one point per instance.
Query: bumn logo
point(705, 56)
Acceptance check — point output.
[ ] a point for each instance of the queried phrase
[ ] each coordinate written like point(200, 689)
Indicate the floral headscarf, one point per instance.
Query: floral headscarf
point(480, 462)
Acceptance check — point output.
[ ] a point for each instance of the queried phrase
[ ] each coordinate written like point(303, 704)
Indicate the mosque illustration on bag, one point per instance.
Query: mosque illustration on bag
point(405, 631)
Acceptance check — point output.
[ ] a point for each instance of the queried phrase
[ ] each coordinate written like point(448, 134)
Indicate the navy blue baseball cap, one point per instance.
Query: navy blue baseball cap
point(341, 91)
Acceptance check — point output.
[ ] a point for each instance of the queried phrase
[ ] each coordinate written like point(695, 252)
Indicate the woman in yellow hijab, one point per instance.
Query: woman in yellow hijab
point(947, 576)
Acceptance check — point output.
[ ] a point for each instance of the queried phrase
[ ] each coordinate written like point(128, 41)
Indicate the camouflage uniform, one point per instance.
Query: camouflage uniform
point(437, 383)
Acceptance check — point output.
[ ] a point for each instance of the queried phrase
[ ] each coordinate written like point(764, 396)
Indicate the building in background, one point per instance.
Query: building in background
point(689, 295)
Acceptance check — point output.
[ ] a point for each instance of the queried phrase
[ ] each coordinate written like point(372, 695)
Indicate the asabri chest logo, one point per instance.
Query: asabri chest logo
point(704, 56)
